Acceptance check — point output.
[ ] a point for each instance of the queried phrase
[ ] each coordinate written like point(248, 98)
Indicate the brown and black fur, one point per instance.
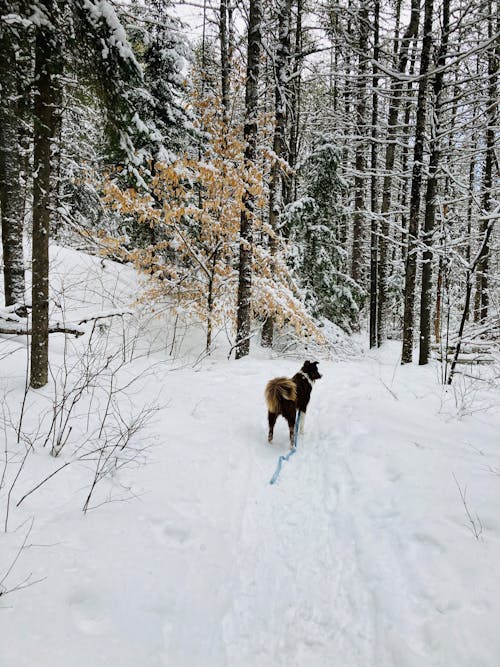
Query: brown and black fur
point(284, 396)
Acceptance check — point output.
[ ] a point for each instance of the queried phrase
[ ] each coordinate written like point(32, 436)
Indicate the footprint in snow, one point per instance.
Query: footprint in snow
point(170, 532)
point(429, 541)
point(88, 614)
point(393, 475)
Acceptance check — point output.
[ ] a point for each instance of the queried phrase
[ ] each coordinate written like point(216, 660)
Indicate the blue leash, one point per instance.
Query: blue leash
point(286, 457)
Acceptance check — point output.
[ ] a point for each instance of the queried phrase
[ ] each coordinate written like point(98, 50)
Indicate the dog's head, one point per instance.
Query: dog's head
point(310, 368)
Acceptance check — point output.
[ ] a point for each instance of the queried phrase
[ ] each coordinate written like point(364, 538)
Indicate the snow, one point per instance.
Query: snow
point(362, 555)
point(103, 11)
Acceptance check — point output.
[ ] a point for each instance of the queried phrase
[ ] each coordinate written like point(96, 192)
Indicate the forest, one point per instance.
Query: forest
point(284, 166)
point(196, 195)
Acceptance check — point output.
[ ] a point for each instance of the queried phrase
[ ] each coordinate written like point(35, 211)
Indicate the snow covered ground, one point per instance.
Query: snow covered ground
point(362, 555)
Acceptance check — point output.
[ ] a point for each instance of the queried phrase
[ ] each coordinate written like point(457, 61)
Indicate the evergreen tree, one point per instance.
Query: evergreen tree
point(89, 37)
point(162, 119)
point(159, 128)
point(318, 257)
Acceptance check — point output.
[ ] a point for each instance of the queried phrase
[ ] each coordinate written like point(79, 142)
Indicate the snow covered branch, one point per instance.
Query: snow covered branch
point(12, 324)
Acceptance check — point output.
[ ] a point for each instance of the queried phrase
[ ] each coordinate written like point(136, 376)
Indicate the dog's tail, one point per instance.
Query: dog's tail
point(278, 389)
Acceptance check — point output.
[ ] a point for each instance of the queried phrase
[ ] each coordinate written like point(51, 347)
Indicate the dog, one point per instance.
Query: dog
point(284, 396)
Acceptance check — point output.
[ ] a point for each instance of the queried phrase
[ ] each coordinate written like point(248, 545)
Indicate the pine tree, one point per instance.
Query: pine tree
point(162, 120)
point(318, 258)
point(88, 33)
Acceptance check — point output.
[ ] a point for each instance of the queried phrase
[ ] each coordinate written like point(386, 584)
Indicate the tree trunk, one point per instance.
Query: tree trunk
point(11, 194)
point(347, 129)
point(431, 194)
point(210, 300)
point(244, 304)
point(470, 274)
point(390, 152)
point(224, 58)
point(404, 191)
point(416, 184)
point(374, 193)
point(44, 127)
point(358, 271)
point(281, 95)
point(482, 293)
point(295, 88)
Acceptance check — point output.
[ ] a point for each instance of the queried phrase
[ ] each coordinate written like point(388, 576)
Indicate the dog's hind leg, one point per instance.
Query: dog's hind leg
point(290, 417)
point(271, 417)
point(302, 422)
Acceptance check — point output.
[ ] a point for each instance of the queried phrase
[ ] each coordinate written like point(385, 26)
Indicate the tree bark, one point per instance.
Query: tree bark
point(358, 269)
point(244, 304)
point(416, 184)
point(374, 190)
point(431, 193)
point(405, 185)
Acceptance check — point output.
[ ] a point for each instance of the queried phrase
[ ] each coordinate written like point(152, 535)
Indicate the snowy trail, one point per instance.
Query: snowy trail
point(358, 557)
point(303, 583)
